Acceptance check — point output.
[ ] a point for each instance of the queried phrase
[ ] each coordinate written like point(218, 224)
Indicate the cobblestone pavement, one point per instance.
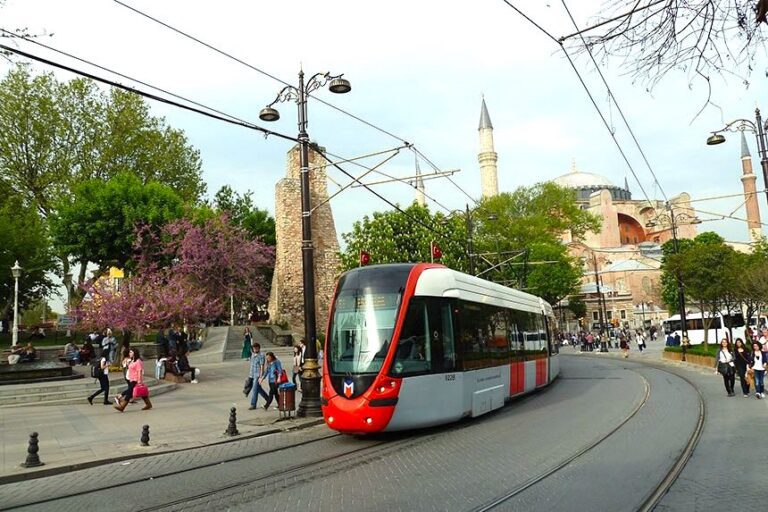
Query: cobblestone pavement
point(460, 467)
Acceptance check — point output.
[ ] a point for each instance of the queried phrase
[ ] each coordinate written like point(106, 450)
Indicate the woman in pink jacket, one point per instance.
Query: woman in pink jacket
point(135, 375)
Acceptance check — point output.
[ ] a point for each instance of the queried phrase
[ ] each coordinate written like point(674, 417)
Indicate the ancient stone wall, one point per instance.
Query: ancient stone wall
point(286, 301)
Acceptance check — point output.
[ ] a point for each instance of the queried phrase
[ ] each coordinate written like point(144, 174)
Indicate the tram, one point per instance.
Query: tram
point(416, 345)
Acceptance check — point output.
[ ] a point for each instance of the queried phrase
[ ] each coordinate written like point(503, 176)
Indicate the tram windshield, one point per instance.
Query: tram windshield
point(364, 317)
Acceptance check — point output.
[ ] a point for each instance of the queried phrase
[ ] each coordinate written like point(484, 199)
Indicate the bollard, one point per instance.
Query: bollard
point(232, 427)
point(33, 460)
point(145, 435)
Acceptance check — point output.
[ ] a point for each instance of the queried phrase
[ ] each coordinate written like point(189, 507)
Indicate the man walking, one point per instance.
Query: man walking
point(256, 372)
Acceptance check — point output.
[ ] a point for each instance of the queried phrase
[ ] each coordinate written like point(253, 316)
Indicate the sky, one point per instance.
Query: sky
point(418, 70)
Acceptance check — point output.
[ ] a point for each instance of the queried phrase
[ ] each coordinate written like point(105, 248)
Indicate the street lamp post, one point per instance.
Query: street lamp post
point(673, 219)
point(16, 271)
point(758, 128)
point(310, 375)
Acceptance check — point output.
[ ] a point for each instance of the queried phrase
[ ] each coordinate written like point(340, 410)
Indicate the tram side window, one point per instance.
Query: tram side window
point(414, 351)
point(449, 350)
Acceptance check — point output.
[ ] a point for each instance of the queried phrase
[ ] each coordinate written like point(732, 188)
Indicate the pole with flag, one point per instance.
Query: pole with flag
point(365, 258)
point(435, 252)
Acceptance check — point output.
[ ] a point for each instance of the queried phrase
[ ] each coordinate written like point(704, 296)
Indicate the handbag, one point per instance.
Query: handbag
point(725, 369)
point(248, 386)
point(282, 378)
point(140, 390)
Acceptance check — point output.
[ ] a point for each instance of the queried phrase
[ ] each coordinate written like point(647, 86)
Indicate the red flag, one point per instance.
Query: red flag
point(365, 258)
point(436, 252)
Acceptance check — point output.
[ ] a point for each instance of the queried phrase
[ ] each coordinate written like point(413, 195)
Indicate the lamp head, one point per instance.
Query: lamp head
point(340, 86)
point(16, 270)
point(650, 224)
point(269, 114)
point(715, 139)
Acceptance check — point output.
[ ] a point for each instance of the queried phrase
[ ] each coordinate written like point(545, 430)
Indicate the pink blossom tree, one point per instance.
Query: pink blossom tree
point(183, 274)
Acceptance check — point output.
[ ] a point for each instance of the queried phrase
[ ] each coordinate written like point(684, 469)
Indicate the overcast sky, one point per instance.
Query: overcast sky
point(418, 70)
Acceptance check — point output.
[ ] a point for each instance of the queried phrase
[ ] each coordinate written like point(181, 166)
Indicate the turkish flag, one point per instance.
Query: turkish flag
point(365, 258)
point(436, 252)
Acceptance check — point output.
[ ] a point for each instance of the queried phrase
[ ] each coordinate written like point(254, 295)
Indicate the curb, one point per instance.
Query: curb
point(42, 473)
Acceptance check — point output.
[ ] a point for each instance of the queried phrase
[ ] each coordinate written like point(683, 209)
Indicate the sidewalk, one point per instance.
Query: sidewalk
point(193, 415)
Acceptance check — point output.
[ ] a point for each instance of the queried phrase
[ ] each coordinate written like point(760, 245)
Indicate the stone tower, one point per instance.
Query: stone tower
point(286, 300)
point(748, 180)
point(487, 157)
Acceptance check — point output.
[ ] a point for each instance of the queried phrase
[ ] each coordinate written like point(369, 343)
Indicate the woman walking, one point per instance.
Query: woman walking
point(135, 376)
point(296, 363)
point(624, 344)
point(725, 366)
point(757, 364)
point(247, 340)
point(741, 359)
point(273, 371)
point(103, 378)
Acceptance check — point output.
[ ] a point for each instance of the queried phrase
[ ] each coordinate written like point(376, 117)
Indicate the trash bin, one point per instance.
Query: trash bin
point(286, 399)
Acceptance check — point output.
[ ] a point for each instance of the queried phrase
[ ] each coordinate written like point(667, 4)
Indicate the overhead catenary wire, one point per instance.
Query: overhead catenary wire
point(589, 94)
point(112, 83)
point(255, 68)
point(615, 101)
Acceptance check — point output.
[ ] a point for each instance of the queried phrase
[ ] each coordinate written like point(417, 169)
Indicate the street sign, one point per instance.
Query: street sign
point(67, 321)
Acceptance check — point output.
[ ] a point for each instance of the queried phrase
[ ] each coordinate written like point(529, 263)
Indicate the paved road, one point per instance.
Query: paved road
point(452, 468)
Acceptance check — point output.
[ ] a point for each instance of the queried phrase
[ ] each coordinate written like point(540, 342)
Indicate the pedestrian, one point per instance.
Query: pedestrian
point(757, 365)
point(109, 342)
point(725, 366)
point(677, 339)
point(72, 353)
point(103, 376)
point(273, 372)
point(161, 344)
point(624, 345)
point(135, 376)
point(741, 356)
point(247, 342)
point(257, 373)
point(184, 366)
point(639, 340)
point(296, 363)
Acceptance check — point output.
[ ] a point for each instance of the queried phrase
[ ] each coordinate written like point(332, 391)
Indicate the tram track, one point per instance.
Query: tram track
point(658, 492)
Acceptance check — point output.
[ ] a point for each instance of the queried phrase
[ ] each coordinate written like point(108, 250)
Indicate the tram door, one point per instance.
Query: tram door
point(441, 335)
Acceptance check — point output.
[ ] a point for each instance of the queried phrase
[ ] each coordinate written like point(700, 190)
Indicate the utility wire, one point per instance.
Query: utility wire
point(155, 97)
point(254, 68)
point(121, 75)
point(615, 101)
point(437, 169)
point(589, 93)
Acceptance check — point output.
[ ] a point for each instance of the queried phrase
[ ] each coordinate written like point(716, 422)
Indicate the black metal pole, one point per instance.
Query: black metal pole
point(310, 375)
point(599, 294)
point(762, 149)
point(470, 245)
point(680, 288)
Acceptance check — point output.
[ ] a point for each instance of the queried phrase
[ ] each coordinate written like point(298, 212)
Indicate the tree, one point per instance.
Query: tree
point(555, 276)
point(98, 222)
point(577, 306)
point(698, 37)
point(23, 237)
point(184, 274)
point(242, 212)
point(37, 312)
point(405, 236)
point(58, 134)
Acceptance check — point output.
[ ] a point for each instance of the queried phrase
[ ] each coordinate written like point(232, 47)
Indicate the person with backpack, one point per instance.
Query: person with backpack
point(100, 370)
point(275, 374)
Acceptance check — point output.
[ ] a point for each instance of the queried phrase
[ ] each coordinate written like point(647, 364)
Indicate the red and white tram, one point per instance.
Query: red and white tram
point(417, 345)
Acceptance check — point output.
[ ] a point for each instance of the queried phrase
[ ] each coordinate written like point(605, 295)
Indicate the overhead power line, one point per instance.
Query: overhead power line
point(145, 94)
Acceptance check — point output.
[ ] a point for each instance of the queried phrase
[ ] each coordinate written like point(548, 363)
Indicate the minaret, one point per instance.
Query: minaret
point(748, 179)
point(421, 200)
point(487, 157)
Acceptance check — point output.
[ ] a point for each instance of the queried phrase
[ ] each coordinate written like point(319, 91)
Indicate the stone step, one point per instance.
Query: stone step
point(61, 385)
point(77, 396)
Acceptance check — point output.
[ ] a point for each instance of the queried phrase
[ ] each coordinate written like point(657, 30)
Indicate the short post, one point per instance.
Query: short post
point(232, 427)
point(33, 460)
point(145, 435)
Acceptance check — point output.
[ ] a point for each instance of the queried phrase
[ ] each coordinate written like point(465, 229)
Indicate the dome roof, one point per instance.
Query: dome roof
point(579, 179)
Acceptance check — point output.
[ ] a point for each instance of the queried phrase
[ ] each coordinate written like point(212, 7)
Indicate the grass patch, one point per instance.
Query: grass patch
point(696, 350)
point(59, 338)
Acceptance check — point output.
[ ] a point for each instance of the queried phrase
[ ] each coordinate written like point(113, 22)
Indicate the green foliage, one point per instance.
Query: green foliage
point(36, 312)
point(397, 237)
point(98, 222)
point(23, 237)
point(242, 212)
point(577, 306)
point(695, 350)
point(555, 276)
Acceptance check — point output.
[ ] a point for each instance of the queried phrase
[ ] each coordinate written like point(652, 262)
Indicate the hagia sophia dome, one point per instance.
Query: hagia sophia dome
point(587, 183)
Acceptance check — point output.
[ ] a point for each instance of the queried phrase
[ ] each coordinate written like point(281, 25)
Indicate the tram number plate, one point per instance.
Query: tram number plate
point(450, 376)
